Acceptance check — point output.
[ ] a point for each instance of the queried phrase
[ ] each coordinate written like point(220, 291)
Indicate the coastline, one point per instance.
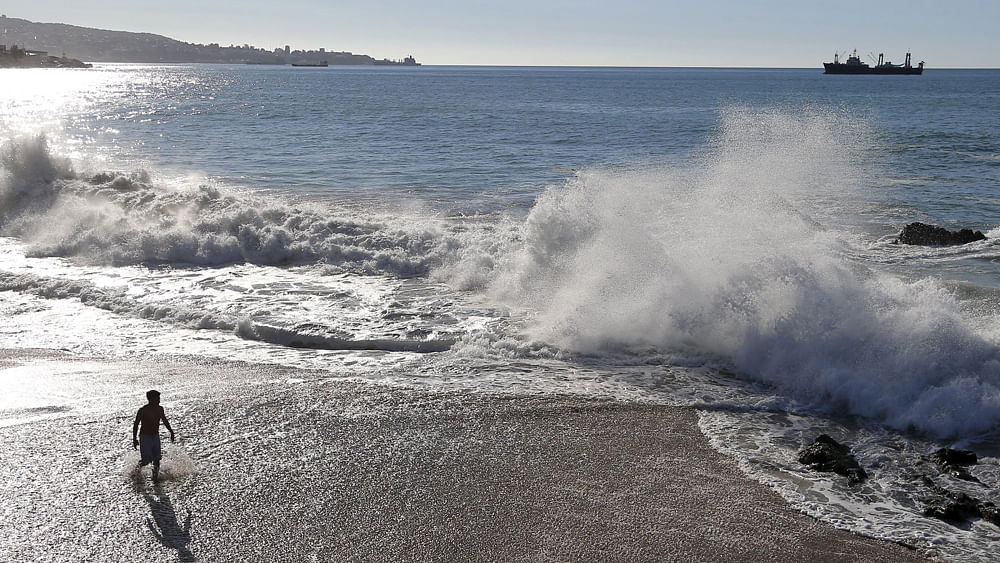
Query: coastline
point(9, 60)
point(293, 465)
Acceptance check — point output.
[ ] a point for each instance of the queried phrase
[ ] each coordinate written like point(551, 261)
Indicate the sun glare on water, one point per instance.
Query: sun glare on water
point(47, 101)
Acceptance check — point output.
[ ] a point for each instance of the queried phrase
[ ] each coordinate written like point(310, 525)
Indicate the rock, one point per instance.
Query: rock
point(929, 235)
point(826, 454)
point(16, 58)
point(948, 456)
point(990, 513)
point(955, 507)
point(953, 462)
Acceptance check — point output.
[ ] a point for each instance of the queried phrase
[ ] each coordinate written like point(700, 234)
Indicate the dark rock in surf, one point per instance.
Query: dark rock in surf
point(990, 513)
point(929, 235)
point(953, 462)
point(953, 506)
point(826, 454)
point(949, 456)
point(956, 507)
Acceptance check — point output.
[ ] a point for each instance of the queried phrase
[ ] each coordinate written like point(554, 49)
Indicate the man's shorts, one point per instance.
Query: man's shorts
point(149, 449)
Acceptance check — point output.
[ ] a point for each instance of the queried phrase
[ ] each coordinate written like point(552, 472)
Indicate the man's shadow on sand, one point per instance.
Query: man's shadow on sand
point(165, 527)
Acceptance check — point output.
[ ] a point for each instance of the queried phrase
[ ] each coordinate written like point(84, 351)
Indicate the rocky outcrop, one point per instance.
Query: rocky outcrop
point(46, 61)
point(929, 235)
point(989, 512)
point(956, 506)
point(952, 506)
point(954, 462)
point(826, 454)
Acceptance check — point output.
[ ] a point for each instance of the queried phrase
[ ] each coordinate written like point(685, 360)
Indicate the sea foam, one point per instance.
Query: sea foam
point(114, 218)
point(743, 257)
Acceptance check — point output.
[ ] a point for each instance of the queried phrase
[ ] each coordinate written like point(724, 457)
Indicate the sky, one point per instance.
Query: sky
point(716, 33)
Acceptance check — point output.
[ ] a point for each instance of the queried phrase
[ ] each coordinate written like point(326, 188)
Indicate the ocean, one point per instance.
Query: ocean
point(715, 238)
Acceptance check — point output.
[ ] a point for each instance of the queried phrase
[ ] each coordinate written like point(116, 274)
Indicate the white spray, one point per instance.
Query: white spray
point(742, 259)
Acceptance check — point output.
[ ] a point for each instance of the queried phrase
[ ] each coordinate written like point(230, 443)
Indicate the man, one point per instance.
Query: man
point(148, 442)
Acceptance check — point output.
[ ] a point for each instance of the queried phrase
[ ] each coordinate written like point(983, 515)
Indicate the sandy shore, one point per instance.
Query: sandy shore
point(296, 467)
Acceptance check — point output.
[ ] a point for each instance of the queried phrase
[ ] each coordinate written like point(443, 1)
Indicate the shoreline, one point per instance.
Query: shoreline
point(40, 61)
point(292, 465)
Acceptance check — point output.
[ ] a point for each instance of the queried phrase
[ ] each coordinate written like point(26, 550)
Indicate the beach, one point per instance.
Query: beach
point(277, 464)
point(496, 313)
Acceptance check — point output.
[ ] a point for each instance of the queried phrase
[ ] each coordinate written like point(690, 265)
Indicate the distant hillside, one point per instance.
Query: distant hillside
point(100, 45)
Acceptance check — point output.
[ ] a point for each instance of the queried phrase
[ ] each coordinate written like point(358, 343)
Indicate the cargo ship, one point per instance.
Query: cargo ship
point(855, 66)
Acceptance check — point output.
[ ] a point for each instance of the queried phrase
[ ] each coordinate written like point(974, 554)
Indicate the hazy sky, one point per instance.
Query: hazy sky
point(956, 33)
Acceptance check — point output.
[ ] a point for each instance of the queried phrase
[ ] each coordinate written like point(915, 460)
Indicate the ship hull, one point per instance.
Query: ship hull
point(835, 68)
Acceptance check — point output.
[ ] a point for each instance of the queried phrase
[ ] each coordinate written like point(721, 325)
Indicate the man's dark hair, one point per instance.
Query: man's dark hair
point(153, 394)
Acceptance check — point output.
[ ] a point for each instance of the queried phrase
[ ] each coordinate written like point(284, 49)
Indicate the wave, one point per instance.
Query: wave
point(114, 218)
point(299, 339)
point(118, 301)
point(744, 258)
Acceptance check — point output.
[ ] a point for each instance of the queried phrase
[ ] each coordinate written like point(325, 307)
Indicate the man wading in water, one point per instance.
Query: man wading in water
point(148, 441)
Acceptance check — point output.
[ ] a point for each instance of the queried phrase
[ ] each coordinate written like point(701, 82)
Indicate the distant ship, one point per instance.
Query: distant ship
point(408, 61)
point(855, 66)
point(322, 63)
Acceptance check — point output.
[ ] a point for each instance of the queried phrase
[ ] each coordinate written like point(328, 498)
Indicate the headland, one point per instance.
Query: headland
point(101, 45)
point(16, 57)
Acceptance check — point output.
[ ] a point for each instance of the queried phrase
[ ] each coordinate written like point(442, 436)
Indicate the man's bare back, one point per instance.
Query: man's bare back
point(149, 417)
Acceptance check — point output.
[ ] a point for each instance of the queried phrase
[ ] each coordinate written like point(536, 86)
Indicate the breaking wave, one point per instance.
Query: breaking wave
point(747, 258)
point(112, 218)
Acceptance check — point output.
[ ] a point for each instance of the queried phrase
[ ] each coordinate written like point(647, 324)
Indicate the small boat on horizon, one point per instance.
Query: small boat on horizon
point(321, 63)
point(855, 66)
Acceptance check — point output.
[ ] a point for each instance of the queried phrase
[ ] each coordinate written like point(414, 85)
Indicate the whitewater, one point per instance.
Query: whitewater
point(716, 239)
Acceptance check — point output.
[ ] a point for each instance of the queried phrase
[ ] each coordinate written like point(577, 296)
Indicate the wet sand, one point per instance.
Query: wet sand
point(293, 466)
